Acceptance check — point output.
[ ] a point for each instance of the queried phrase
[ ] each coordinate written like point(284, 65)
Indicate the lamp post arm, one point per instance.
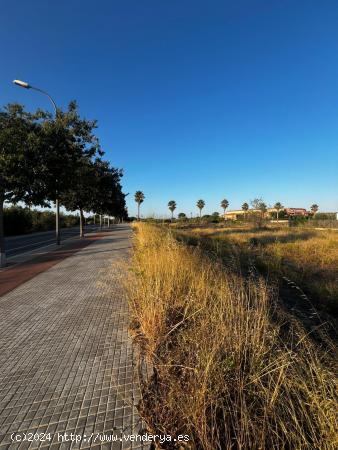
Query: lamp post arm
point(46, 93)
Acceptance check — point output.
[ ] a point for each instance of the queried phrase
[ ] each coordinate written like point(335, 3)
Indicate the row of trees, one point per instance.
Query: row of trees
point(257, 204)
point(46, 160)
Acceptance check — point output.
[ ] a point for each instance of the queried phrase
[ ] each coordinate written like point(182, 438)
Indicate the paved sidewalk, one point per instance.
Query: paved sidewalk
point(29, 265)
point(67, 363)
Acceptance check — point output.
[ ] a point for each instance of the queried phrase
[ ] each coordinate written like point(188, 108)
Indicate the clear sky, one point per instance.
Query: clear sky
point(195, 99)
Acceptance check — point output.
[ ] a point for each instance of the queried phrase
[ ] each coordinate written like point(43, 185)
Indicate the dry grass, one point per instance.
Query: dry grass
point(223, 373)
point(308, 257)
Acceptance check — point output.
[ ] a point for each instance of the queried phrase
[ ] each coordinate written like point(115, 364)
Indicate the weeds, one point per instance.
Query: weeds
point(224, 373)
point(308, 257)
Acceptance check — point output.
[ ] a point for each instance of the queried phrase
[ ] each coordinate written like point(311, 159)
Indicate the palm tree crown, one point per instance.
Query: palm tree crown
point(172, 206)
point(278, 206)
point(200, 205)
point(224, 204)
point(314, 208)
point(245, 206)
point(139, 198)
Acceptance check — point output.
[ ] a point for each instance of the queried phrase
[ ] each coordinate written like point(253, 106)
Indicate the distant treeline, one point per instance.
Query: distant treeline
point(18, 220)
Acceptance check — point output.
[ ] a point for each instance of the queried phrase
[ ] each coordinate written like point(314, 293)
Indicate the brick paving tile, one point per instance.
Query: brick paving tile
point(67, 362)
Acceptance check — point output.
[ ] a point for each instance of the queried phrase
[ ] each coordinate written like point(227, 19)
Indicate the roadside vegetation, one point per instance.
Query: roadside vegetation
point(18, 220)
point(306, 256)
point(227, 371)
point(46, 160)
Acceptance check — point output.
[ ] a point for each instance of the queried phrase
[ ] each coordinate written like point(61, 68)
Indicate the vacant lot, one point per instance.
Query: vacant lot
point(226, 370)
point(307, 257)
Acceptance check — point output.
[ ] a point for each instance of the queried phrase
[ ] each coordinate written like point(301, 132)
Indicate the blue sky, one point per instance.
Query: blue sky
point(195, 99)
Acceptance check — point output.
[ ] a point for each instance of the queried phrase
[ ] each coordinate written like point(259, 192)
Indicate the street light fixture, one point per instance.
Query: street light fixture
point(21, 83)
point(26, 85)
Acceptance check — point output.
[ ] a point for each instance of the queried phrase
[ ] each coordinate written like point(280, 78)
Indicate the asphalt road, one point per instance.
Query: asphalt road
point(16, 245)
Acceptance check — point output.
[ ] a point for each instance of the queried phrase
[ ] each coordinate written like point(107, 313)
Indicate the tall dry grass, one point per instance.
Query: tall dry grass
point(308, 257)
point(225, 373)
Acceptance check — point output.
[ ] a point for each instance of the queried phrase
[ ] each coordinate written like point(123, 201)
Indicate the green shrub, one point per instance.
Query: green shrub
point(19, 220)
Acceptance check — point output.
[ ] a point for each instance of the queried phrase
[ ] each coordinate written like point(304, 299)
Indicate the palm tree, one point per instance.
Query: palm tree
point(172, 207)
point(314, 208)
point(245, 208)
point(224, 205)
point(278, 206)
point(200, 205)
point(139, 198)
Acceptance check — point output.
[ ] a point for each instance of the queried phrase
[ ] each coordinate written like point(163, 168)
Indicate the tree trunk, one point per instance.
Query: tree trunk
point(277, 215)
point(57, 222)
point(81, 224)
point(100, 221)
point(2, 234)
point(94, 218)
point(108, 221)
point(138, 211)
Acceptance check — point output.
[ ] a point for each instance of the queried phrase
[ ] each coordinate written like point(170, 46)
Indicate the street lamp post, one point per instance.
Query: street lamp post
point(25, 85)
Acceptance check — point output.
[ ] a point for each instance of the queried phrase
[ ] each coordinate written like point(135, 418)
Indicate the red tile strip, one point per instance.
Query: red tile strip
point(19, 274)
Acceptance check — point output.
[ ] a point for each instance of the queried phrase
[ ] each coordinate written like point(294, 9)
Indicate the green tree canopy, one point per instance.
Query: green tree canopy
point(20, 162)
point(64, 142)
point(108, 197)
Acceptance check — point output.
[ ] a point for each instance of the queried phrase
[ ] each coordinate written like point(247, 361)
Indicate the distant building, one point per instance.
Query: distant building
point(296, 212)
point(238, 214)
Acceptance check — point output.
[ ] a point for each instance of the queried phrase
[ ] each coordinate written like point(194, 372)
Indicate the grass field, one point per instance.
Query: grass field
point(226, 371)
point(308, 257)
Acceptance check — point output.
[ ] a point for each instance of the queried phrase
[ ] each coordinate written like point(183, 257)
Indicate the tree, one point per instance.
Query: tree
point(200, 205)
point(314, 208)
point(215, 218)
point(64, 141)
point(20, 163)
point(172, 207)
point(139, 198)
point(182, 216)
point(224, 205)
point(108, 197)
point(278, 206)
point(245, 208)
point(263, 208)
point(259, 205)
point(81, 195)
